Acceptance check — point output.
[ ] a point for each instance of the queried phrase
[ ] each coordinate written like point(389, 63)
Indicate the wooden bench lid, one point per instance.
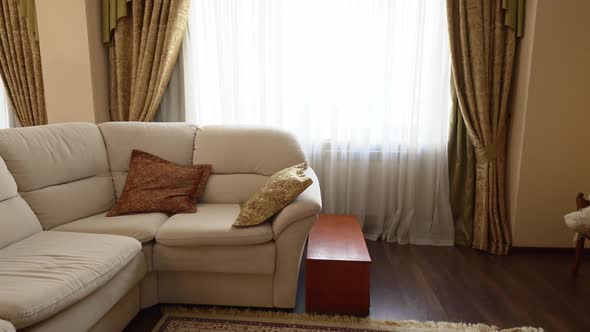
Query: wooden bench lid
point(337, 238)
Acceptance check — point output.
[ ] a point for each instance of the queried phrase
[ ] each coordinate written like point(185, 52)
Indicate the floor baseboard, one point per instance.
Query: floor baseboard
point(546, 250)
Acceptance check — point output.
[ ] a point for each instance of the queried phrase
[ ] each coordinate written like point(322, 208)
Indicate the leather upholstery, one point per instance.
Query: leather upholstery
point(246, 150)
point(17, 220)
point(61, 170)
point(88, 273)
point(171, 141)
point(49, 271)
point(142, 227)
point(211, 226)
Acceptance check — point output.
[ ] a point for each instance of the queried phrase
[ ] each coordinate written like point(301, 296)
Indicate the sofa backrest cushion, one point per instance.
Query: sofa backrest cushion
point(243, 157)
point(246, 150)
point(171, 141)
point(61, 170)
point(17, 221)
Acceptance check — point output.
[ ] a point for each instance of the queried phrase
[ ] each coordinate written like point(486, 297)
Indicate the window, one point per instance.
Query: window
point(364, 84)
point(5, 108)
point(344, 71)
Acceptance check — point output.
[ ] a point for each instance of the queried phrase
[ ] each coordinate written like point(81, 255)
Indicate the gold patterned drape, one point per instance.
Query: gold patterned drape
point(482, 52)
point(514, 15)
point(112, 11)
point(143, 51)
point(461, 175)
point(20, 62)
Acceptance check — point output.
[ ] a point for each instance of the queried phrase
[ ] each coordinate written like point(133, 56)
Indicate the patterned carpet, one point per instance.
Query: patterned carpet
point(229, 320)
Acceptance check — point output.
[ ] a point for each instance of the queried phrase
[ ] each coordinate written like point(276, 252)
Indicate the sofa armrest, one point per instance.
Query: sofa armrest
point(6, 326)
point(307, 204)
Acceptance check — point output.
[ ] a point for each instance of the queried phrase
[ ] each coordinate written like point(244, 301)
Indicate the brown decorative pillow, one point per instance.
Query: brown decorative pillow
point(276, 193)
point(157, 185)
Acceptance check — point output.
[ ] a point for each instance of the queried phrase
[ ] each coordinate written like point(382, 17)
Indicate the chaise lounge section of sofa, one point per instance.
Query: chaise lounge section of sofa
point(64, 265)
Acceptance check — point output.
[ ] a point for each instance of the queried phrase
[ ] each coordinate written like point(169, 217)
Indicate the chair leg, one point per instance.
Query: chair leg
point(579, 250)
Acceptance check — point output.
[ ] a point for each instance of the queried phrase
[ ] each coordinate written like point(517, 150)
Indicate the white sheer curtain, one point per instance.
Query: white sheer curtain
point(364, 84)
point(6, 114)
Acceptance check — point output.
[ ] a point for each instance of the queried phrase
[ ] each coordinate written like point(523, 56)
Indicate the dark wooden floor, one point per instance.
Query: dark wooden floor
point(462, 285)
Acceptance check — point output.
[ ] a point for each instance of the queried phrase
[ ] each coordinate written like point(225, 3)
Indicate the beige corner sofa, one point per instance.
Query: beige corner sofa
point(65, 266)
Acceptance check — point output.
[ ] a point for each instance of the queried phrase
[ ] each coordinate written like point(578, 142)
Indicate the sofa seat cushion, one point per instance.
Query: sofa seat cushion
point(50, 271)
point(211, 226)
point(143, 227)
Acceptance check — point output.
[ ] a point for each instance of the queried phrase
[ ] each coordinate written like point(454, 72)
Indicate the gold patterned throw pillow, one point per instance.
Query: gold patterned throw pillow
point(278, 191)
point(158, 185)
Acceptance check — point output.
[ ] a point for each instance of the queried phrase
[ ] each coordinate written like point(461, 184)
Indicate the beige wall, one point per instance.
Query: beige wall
point(75, 65)
point(518, 107)
point(548, 158)
point(99, 61)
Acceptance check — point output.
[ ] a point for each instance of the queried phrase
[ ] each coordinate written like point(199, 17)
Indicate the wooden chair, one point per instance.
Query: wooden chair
point(581, 203)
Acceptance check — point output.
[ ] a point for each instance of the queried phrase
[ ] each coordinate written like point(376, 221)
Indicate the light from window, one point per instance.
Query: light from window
point(5, 110)
point(364, 84)
point(372, 72)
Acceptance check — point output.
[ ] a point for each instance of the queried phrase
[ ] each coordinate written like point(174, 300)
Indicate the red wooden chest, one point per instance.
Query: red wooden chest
point(338, 267)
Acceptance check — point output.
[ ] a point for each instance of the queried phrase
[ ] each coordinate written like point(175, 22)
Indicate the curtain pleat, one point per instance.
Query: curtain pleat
point(112, 11)
point(28, 10)
point(20, 65)
point(514, 15)
point(143, 52)
point(461, 176)
point(482, 52)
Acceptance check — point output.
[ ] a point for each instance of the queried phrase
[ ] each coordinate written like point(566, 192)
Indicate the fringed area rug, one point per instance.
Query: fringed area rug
point(226, 320)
